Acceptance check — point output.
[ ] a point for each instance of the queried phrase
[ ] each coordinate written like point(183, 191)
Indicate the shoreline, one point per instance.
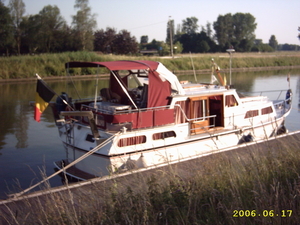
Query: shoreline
point(180, 72)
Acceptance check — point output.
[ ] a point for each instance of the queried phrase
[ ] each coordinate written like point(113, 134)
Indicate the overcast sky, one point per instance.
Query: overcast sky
point(273, 17)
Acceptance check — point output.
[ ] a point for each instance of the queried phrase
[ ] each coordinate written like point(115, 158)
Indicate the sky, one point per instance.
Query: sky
point(273, 17)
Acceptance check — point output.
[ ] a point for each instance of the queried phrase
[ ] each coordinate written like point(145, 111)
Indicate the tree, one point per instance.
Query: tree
point(273, 42)
point(125, 44)
point(30, 38)
point(198, 42)
point(208, 30)
point(288, 47)
point(110, 41)
point(177, 47)
point(6, 30)
point(202, 46)
point(243, 29)
point(84, 23)
point(51, 24)
point(224, 30)
point(17, 10)
point(189, 25)
point(237, 30)
point(144, 39)
point(170, 31)
point(46, 32)
point(104, 40)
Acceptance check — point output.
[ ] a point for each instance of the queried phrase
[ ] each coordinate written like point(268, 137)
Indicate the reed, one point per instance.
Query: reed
point(53, 64)
point(258, 184)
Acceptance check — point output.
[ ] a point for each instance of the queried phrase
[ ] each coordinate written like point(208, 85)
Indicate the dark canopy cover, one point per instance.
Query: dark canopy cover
point(158, 90)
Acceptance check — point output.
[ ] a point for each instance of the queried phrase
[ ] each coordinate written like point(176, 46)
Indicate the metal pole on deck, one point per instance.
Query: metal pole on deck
point(230, 51)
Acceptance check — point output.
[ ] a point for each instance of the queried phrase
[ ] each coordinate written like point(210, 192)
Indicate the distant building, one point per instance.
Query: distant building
point(149, 52)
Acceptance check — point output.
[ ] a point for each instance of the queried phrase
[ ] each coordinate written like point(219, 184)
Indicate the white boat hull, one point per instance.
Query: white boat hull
point(210, 142)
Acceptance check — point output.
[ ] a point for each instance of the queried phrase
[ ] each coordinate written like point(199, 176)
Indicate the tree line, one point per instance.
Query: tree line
point(48, 31)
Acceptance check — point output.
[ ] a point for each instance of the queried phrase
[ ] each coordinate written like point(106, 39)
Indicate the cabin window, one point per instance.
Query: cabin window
point(132, 141)
point(199, 109)
point(266, 110)
point(230, 101)
point(90, 138)
point(163, 135)
point(251, 113)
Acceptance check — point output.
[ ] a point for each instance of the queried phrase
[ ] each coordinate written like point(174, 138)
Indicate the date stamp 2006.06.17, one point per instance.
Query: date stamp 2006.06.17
point(264, 213)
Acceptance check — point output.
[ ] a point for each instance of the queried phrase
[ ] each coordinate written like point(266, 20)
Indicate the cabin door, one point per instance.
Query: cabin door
point(198, 114)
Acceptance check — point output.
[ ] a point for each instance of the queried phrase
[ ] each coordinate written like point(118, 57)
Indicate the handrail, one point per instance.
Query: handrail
point(126, 111)
point(261, 92)
point(202, 118)
point(284, 104)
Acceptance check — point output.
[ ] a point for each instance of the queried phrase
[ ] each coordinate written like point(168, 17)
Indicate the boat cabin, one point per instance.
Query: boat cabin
point(144, 94)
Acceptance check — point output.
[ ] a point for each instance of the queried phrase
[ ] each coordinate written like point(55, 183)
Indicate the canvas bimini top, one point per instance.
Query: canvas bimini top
point(161, 81)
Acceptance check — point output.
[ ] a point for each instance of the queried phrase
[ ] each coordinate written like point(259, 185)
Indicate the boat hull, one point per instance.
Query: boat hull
point(209, 142)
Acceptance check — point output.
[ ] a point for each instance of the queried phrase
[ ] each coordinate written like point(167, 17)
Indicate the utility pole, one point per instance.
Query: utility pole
point(171, 39)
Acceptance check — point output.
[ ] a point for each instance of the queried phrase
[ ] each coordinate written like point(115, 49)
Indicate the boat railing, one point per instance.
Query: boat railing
point(282, 106)
point(122, 111)
point(194, 119)
point(118, 115)
point(260, 93)
point(198, 119)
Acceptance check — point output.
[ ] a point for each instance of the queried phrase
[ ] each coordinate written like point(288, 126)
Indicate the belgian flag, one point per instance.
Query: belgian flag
point(42, 99)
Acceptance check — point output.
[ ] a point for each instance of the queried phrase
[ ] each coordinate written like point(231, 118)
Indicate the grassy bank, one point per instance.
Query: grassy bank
point(53, 64)
point(258, 185)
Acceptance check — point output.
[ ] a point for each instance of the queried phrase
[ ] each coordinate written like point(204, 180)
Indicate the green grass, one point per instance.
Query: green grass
point(262, 179)
point(49, 65)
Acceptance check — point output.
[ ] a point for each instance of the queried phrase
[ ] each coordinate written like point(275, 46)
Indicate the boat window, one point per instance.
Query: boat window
point(123, 72)
point(133, 82)
point(163, 135)
point(90, 138)
point(132, 141)
point(251, 113)
point(230, 101)
point(266, 110)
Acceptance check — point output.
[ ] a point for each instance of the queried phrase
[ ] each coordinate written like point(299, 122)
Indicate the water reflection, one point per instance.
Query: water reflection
point(14, 109)
point(21, 126)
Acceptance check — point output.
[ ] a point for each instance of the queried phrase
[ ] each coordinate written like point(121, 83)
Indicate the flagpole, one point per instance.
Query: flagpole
point(64, 101)
point(193, 67)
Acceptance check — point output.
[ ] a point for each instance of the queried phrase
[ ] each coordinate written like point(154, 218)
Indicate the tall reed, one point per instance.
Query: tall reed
point(53, 64)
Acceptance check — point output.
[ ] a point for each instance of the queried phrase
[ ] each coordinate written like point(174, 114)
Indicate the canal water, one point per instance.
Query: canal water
point(28, 148)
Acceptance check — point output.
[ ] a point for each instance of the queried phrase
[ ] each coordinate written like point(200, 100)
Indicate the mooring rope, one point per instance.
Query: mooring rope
point(16, 195)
